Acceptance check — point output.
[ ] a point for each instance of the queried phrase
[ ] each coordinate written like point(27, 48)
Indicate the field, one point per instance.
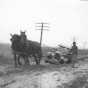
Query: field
point(44, 75)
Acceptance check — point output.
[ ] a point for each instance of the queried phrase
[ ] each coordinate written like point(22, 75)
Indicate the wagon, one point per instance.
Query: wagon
point(60, 56)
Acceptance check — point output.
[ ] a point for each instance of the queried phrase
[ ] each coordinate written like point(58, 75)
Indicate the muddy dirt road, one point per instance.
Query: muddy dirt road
point(44, 76)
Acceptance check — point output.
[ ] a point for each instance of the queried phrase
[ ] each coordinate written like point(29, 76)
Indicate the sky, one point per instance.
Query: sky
point(67, 20)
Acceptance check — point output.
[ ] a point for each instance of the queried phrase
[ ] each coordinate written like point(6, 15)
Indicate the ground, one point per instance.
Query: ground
point(44, 76)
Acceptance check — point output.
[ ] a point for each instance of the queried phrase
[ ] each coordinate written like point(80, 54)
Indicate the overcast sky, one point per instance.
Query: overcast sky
point(67, 19)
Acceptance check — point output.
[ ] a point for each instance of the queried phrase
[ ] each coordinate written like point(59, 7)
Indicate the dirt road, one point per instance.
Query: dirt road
point(44, 76)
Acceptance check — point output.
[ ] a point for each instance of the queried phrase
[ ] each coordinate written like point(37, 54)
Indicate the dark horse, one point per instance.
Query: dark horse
point(28, 49)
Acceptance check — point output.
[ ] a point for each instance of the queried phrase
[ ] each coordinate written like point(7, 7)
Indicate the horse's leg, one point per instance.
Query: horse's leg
point(36, 59)
point(39, 57)
point(39, 60)
point(26, 60)
point(15, 60)
point(19, 60)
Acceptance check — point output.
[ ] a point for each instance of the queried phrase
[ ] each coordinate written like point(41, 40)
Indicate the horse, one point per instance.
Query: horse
point(25, 50)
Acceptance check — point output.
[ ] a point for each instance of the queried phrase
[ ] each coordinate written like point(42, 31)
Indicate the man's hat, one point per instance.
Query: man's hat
point(74, 42)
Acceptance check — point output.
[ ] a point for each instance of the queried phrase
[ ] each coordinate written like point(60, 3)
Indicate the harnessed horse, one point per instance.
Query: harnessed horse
point(28, 49)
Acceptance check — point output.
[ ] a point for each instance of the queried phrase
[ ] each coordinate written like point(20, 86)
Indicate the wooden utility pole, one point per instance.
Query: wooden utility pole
point(42, 28)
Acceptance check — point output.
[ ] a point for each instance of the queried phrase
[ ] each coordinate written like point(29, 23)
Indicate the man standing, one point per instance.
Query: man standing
point(74, 52)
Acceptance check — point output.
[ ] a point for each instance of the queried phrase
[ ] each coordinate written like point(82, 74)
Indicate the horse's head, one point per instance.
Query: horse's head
point(15, 38)
point(11, 37)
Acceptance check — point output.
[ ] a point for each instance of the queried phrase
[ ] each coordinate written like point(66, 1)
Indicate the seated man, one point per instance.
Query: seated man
point(23, 41)
point(23, 37)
